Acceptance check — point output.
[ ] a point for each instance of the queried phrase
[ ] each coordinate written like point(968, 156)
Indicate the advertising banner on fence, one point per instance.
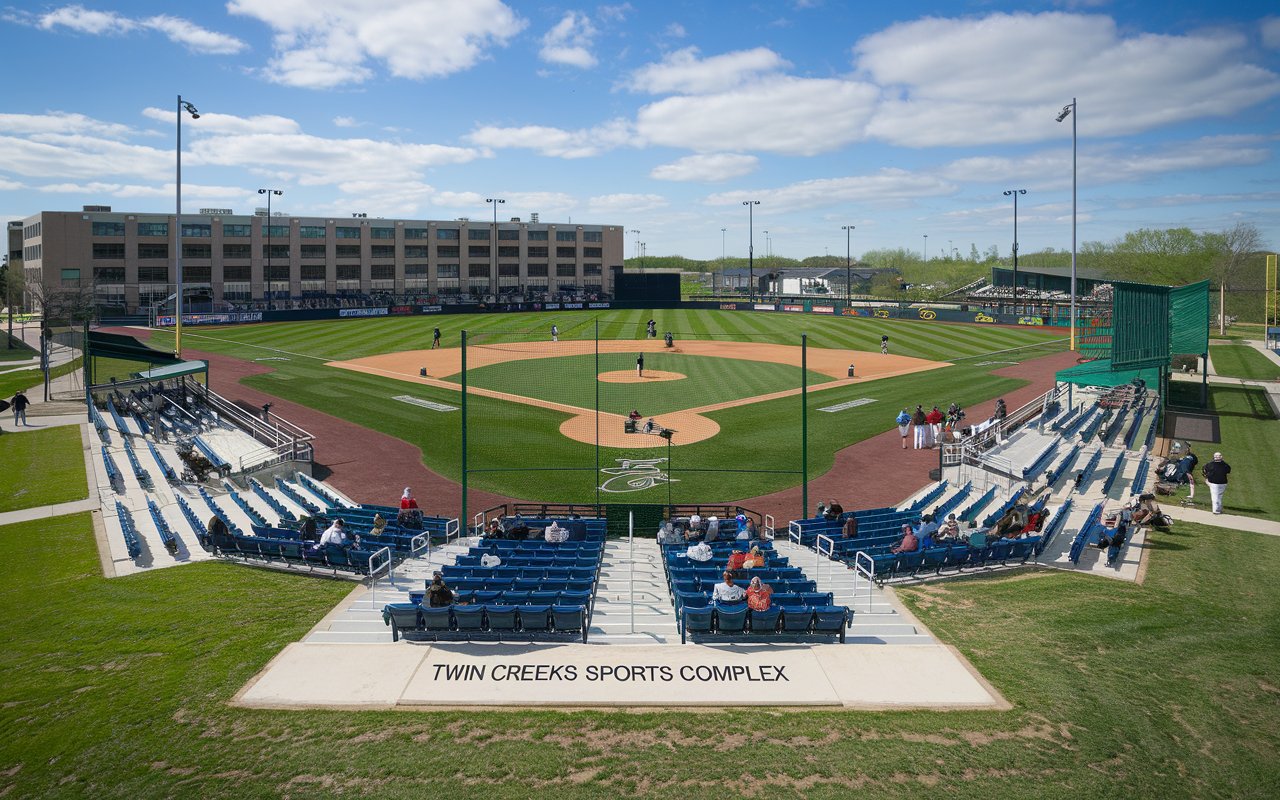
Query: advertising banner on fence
point(824, 309)
point(362, 312)
point(792, 307)
point(401, 310)
point(765, 307)
point(728, 306)
point(211, 319)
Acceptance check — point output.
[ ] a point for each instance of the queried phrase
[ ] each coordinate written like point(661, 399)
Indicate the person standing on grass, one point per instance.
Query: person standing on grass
point(884, 345)
point(20, 403)
point(555, 333)
point(435, 338)
point(640, 366)
point(904, 425)
point(1215, 474)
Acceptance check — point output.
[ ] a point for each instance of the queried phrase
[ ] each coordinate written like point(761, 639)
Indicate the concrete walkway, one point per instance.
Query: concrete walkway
point(1230, 521)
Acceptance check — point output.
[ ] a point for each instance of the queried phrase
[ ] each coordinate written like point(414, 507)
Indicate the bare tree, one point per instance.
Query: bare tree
point(1235, 247)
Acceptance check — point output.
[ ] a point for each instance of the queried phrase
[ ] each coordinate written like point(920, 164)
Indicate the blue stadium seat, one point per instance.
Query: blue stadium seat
point(695, 620)
point(731, 619)
point(797, 620)
point(765, 621)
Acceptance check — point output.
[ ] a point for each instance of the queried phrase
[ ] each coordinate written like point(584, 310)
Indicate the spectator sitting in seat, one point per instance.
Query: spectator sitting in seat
point(1147, 511)
point(409, 516)
point(695, 523)
point(850, 528)
point(335, 534)
point(726, 591)
point(927, 526)
point(750, 531)
point(556, 534)
point(1010, 521)
point(737, 558)
point(759, 595)
point(909, 542)
point(379, 524)
point(439, 595)
point(833, 511)
point(754, 559)
point(1035, 522)
point(217, 531)
point(308, 529)
point(667, 534)
point(950, 530)
point(741, 519)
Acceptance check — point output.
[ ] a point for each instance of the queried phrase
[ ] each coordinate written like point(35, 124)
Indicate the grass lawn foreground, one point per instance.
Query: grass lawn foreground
point(119, 688)
point(41, 467)
point(1242, 361)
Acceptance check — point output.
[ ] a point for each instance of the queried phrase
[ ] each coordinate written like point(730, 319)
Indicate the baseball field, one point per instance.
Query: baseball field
point(730, 388)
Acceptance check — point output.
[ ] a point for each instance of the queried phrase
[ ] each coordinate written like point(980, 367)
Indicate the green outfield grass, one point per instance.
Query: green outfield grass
point(519, 448)
point(25, 379)
point(572, 380)
point(1242, 361)
point(119, 689)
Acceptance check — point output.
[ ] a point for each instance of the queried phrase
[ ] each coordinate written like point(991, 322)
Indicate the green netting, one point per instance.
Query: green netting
point(1189, 318)
point(1140, 326)
point(1102, 372)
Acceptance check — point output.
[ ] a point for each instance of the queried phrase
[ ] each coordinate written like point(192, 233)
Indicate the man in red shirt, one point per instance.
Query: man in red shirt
point(909, 543)
point(935, 418)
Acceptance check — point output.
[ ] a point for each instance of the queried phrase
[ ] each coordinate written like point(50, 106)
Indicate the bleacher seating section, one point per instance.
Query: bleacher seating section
point(1140, 480)
point(1063, 467)
point(928, 497)
point(1113, 474)
point(1041, 461)
point(1091, 524)
point(1091, 429)
point(798, 609)
point(197, 527)
point(219, 463)
point(113, 472)
point(953, 502)
point(285, 547)
point(539, 590)
point(973, 509)
point(99, 424)
point(1132, 434)
point(219, 513)
point(139, 472)
point(162, 527)
point(131, 541)
point(1087, 472)
point(279, 508)
point(994, 516)
point(293, 494)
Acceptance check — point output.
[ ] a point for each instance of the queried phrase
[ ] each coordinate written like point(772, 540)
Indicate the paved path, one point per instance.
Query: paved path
point(1251, 524)
point(44, 512)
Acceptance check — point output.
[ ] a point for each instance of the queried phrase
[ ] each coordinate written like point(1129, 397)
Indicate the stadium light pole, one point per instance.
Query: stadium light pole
point(183, 105)
point(1014, 193)
point(493, 245)
point(722, 230)
point(269, 193)
point(926, 248)
point(1070, 110)
point(751, 248)
point(848, 261)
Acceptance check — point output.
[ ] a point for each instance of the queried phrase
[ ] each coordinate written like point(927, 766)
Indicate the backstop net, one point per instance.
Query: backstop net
point(592, 415)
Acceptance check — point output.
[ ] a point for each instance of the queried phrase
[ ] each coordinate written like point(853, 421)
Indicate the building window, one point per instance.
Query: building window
point(415, 233)
point(566, 270)
point(478, 250)
point(566, 252)
point(478, 234)
point(313, 251)
point(509, 252)
point(593, 252)
point(538, 252)
point(108, 229)
point(508, 235)
point(153, 229)
point(348, 251)
point(447, 251)
point(447, 271)
point(415, 269)
point(153, 251)
point(566, 236)
point(70, 276)
point(108, 274)
point(275, 251)
point(197, 251)
point(197, 230)
point(537, 236)
point(275, 231)
point(108, 249)
point(236, 231)
point(537, 271)
point(348, 272)
point(383, 251)
point(592, 236)
point(153, 274)
point(196, 274)
point(508, 270)
point(236, 251)
point(447, 233)
point(312, 272)
point(347, 233)
point(382, 272)
point(477, 270)
point(382, 233)
point(415, 251)
point(311, 231)
point(236, 273)
point(590, 269)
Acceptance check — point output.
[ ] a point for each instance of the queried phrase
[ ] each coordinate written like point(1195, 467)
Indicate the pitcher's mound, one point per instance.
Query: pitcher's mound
point(650, 376)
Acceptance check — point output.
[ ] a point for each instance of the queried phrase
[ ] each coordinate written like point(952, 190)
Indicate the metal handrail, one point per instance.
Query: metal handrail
point(416, 546)
point(869, 572)
point(457, 530)
point(793, 532)
point(769, 525)
point(373, 572)
point(818, 553)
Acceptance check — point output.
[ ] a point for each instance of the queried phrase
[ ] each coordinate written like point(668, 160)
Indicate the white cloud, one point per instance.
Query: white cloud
point(675, 31)
point(1270, 29)
point(72, 155)
point(569, 42)
point(100, 23)
point(61, 122)
point(555, 142)
point(883, 186)
point(1001, 78)
point(617, 13)
point(624, 203)
point(346, 122)
point(708, 168)
point(324, 43)
point(794, 116)
point(190, 191)
point(683, 72)
point(226, 123)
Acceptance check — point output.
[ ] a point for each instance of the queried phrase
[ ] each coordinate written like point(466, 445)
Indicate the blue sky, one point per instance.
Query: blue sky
point(901, 119)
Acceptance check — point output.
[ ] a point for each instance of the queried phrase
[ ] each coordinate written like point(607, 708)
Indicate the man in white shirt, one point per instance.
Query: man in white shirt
point(556, 534)
point(334, 534)
point(727, 592)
